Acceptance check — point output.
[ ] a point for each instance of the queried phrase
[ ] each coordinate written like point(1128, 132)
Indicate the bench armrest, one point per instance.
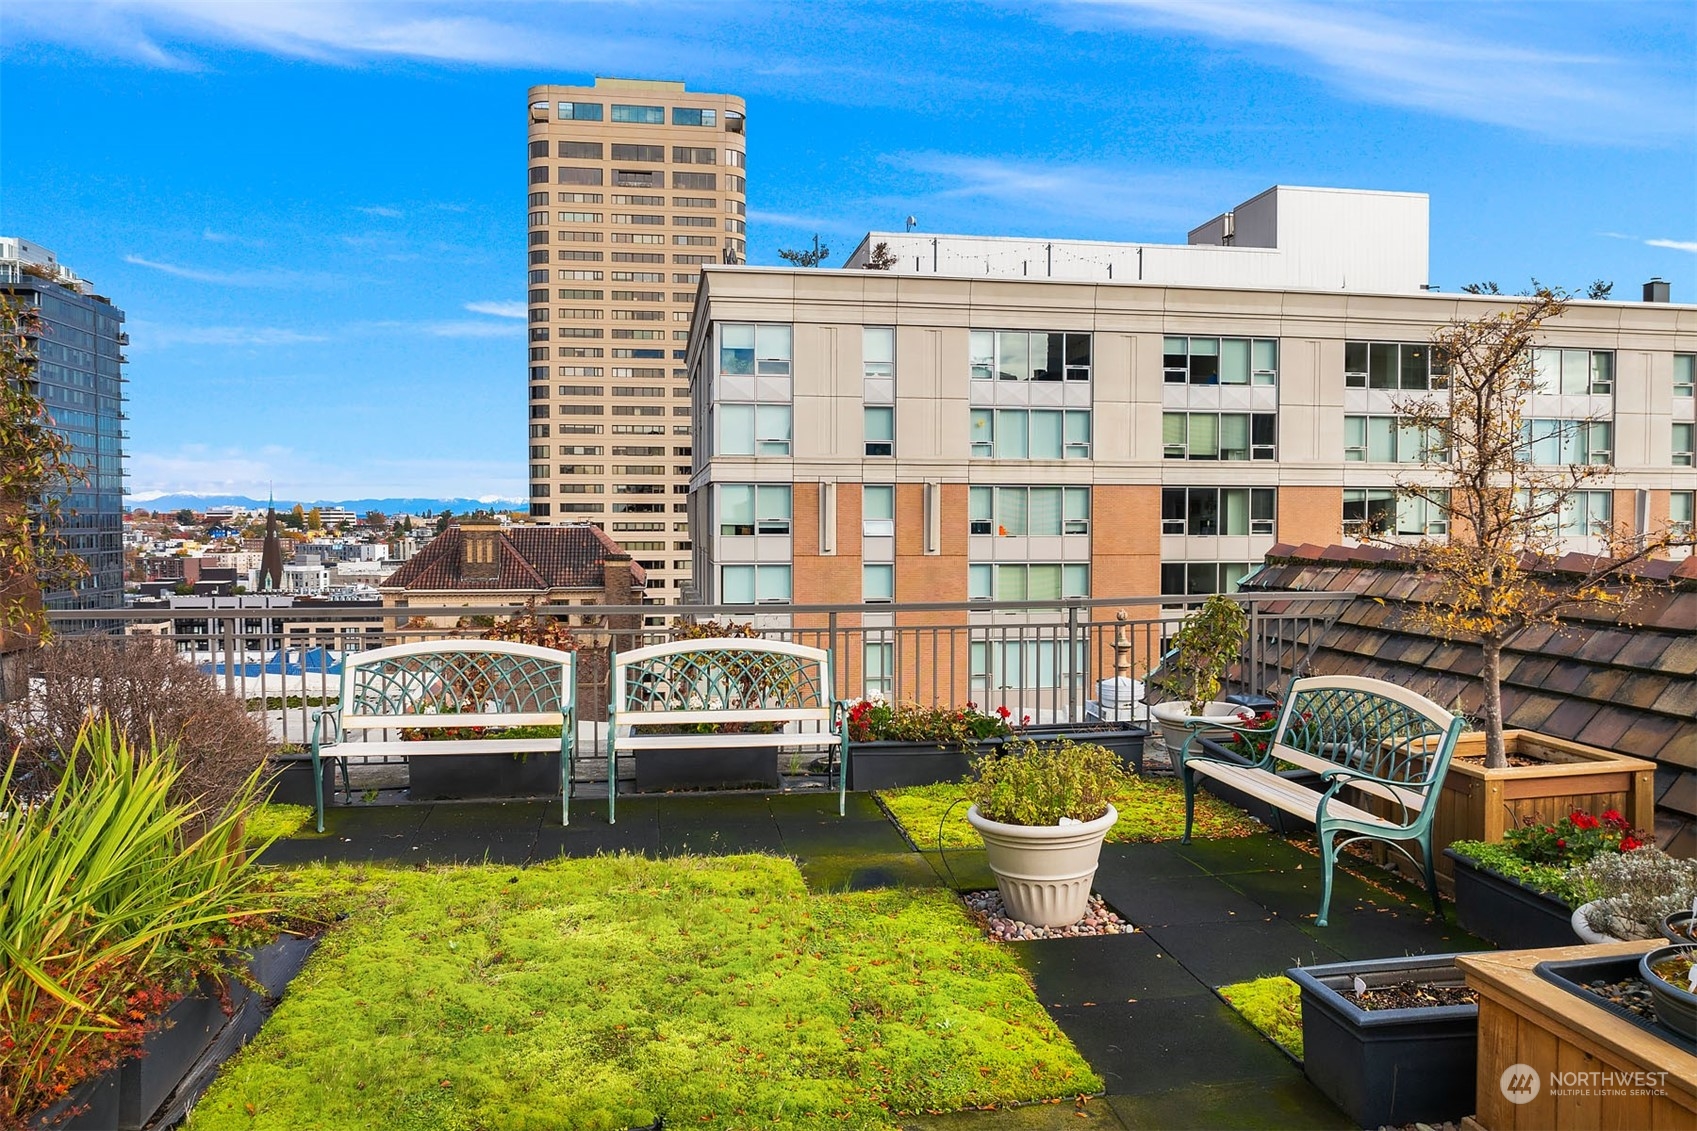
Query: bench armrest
point(1252, 734)
point(322, 720)
point(1342, 776)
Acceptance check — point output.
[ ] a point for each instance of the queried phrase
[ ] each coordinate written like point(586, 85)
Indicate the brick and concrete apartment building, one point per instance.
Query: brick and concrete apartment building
point(634, 186)
point(899, 435)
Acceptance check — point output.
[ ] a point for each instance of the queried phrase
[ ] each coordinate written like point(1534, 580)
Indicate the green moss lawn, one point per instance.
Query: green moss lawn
point(1273, 1005)
point(1149, 808)
point(604, 992)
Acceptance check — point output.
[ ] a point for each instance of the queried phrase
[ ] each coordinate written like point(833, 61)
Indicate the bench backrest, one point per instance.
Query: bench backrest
point(437, 683)
point(728, 680)
point(1347, 722)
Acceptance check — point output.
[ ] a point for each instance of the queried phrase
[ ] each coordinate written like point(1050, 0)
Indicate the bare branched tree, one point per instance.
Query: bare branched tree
point(802, 257)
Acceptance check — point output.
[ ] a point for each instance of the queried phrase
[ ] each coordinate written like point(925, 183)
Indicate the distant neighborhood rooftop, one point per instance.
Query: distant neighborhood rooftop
point(524, 559)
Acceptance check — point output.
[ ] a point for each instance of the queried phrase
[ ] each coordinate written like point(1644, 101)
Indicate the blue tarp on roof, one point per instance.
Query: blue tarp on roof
point(290, 661)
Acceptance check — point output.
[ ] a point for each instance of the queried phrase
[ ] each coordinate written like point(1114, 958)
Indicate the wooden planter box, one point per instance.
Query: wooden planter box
point(1525, 1019)
point(1481, 804)
point(454, 777)
point(1492, 906)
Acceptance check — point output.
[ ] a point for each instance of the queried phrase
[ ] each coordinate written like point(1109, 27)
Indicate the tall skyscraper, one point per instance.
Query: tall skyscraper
point(633, 186)
point(79, 374)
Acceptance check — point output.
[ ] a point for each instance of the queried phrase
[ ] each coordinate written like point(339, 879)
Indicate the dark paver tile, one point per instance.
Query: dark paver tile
point(1290, 1104)
point(1092, 1112)
point(1295, 893)
point(1158, 861)
point(1105, 970)
point(1168, 1043)
point(863, 872)
point(712, 806)
point(1230, 855)
point(819, 804)
point(964, 869)
point(1388, 934)
point(839, 835)
point(470, 849)
point(1218, 954)
point(727, 836)
point(490, 818)
point(1204, 899)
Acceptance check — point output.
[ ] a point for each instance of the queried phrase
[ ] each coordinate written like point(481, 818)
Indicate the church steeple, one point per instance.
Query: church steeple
point(271, 553)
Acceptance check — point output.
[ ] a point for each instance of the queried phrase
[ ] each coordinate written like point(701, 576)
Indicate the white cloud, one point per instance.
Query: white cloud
point(269, 277)
point(1485, 73)
point(211, 236)
point(499, 309)
point(379, 210)
point(253, 471)
point(1677, 245)
point(153, 335)
point(468, 328)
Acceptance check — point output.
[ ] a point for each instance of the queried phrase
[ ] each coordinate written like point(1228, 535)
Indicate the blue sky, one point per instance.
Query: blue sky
point(314, 212)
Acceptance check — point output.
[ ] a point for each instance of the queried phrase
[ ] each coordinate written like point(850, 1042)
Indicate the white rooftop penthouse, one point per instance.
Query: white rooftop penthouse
point(1286, 238)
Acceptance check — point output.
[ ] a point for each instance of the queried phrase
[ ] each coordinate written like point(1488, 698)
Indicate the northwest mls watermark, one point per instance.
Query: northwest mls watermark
point(1521, 1084)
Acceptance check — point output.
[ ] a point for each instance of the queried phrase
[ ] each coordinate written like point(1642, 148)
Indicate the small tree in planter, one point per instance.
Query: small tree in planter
point(1208, 641)
point(1043, 811)
point(1504, 510)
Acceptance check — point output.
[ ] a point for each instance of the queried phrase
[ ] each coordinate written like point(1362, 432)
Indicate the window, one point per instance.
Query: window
point(685, 116)
point(877, 582)
point(1392, 365)
point(1017, 512)
point(686, 155)
point(1587, 513)
point(569, 175)
point(1220, 361)
point(754, 584)
point(1219, 436)
point(745, 508)
point(582, 150)
point(638, 178)
point(1684, 441)
point(745, 349)
point(694, 222)
point(1381, 439)
point(1016, 433)
point(1568, 442)
point(1209, 511)
point(754, 429)
point(708, 181)
point(578, 218)
point(880, 664)
point(1685, 374)
point(881, 430)
point(1020, 356)
point(655, 153)
point(878, 351)
point(1574, 372)
point(877, 511)
point(1386, 511)
point(573, 198)
point(695, 241)
point(1184, 579)
point(1027, 581)
point(1680, 512)
point(583, 112)
point(639, 115)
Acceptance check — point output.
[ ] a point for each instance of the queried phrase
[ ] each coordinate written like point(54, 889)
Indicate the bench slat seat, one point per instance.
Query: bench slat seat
point(1365, 735)
point(427, 747)
point(729, 741)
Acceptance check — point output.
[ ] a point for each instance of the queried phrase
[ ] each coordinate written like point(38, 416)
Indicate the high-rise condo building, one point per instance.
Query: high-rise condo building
point(79, 374)
point(634, 186)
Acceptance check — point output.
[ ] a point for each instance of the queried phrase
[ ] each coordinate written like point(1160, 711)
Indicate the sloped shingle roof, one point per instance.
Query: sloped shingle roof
point(529, 559)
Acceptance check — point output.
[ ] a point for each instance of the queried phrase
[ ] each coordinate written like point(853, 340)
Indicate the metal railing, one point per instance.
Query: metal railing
point(1045, 661)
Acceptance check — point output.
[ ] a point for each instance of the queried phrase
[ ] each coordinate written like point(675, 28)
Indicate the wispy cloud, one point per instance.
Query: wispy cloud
point(1677, 245)
point(380, 210)
point(156, 335)
point(1488, 72)
point(805, 222)
point(254, 470)
point(211, 236)
point(499, 309)
point(468, 328)
point(268, 277)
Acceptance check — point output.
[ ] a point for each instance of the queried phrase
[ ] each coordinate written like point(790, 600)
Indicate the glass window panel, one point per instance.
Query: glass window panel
point(1234, 361)
point(1354, 507)
point(1408, 443)
point(1262, 505)
point(1234, 435)
point(1045, 434)
point(736, 349)
point(880, 430)
point(1204, 361)
point(1264, 433)
point(1599, 442)
point(1682, 444)
point(1010, 434)
point(1010, 583)
point(1234, 510)
point(736, 429)
point(978, 510)
point(1680, 506)
point(1381, 439)
point(1043, 583)
point(1204, 436)
point(1173, 434)
point(878, 347)
point(772, 583)
point(1078, 428)
point(772, 349)
point(773, 506)
point(1044, 511)
point(1011, 503)
point(1575, 371)
point(1684, 374)
point(981, 351)
point(1201, 577)
point(1077, 507)
point(1414, 366)
point(878, 582)
point(1355, 437)
point(1172, 578)
point(983, 437)
point(1355, 363)
point(978, 582)
point(1382, 373)
point(772, 429)
point(1602, 371)
point(1078, 355)
point(1050, 364)
point(1266, 361)
point(1075, 580)
point(736, 509)
point(1232, 575)
point(736, 585)
point(879, 502)
point(1013, 359)
point(1175, 358)
point(1546, 370)
point(1204, 516)
point(1174, 509)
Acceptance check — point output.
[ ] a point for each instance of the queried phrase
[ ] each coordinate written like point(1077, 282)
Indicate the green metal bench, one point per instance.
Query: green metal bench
point(439, 684)
point(729, 685)
point(1378, 739)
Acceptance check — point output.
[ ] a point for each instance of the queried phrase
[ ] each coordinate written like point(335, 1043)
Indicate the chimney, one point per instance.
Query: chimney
point(618, 587)
point(480, 551)
point(1656, 290)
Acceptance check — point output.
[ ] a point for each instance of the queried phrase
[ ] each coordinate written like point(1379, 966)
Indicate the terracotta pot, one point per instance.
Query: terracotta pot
point(1044, 872)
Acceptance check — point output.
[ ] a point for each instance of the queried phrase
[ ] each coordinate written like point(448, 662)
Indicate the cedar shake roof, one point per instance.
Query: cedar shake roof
point(1622, 680)
point(528, 559)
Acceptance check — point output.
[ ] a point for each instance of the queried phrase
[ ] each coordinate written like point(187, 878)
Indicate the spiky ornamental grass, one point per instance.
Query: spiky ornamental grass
point(605, 992)
point(1150, 809)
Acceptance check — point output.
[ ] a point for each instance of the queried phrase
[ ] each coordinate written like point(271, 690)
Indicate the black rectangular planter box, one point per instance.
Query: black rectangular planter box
point(1124, 740)
point(1389, 1066)
point(894, 765)
point(703, 767)
point(1510, 914)
point(456, 777)
point(291, 780)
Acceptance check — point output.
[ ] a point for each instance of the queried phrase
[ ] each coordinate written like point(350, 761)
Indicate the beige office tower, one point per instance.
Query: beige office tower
point(634, 185)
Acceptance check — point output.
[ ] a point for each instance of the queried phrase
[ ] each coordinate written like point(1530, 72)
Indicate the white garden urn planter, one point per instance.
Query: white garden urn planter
point(1176, 721)
point(1044, 872)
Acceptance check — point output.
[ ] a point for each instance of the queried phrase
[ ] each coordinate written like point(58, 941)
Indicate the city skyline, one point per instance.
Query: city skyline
point(310, 214)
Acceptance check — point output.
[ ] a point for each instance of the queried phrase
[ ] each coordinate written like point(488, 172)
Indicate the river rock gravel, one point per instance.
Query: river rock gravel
point(987, 911)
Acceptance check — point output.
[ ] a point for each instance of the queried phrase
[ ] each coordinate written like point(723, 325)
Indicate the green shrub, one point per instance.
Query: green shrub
point(113, 905)
point(1551, 879)
point(1029, 783)
point(1633, 891)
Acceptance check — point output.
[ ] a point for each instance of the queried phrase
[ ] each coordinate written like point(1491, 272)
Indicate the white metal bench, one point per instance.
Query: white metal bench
point(728, 684)
point(439, 684)
point(1376, 738)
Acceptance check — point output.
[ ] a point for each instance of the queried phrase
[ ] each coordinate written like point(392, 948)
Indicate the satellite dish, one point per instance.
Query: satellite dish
point(911, 221)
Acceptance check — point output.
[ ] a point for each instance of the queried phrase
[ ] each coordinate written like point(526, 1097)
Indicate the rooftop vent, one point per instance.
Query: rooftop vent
point(1656, 290)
